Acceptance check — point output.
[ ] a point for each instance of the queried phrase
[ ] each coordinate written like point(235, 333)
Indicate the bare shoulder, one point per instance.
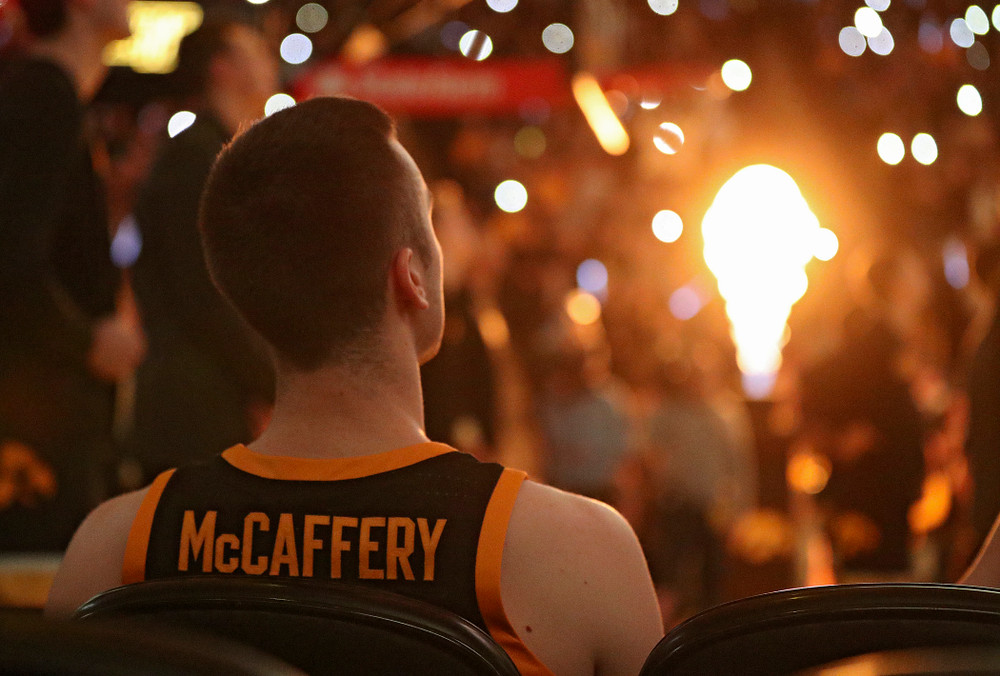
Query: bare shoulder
point(575, 577)
point(93, 560)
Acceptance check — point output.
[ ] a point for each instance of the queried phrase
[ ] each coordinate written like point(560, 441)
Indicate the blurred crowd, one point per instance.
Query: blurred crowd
point(568, 350)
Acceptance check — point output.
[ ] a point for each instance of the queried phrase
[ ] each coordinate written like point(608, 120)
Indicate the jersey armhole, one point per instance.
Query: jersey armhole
point(134, 565)
point(489, 558)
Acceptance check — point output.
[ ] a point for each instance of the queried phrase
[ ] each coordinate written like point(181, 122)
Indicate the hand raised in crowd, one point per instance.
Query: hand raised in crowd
point(117, 350)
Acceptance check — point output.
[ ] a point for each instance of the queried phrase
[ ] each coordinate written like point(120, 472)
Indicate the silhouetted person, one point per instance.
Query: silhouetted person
point(208, 382)
point(62, 345)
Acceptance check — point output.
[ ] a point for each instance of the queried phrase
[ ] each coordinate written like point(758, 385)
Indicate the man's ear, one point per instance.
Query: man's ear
point(409, 280)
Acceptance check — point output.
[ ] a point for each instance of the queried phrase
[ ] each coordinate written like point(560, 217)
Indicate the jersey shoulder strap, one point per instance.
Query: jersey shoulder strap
point(489, 559)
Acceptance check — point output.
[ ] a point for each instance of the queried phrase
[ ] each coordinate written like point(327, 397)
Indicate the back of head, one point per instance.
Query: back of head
point(195, 54)
point(300, 220)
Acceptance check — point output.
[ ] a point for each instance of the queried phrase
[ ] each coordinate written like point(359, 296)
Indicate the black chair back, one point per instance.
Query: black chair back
point(787, 631)
point(323, 628)
point(31, 645)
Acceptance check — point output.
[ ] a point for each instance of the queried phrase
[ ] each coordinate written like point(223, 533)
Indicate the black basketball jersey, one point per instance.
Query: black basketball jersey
point(425, 521)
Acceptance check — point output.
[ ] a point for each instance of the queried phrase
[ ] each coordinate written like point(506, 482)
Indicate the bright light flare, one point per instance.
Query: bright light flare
point(759, 235)
point(978, 22)
point(891, 149)
point(557, 38)
point(852, 42)
point(868, 22)
point(583, 308)
point(924, 149)
point(669, 138)
point(278, 102)
point(961, 34)
point(668, 226)
point(296, 48)
point(969, 100)
point(475, 45)
point(156, 29)
point(736, 75)
point(501, 6)
point(180, 121)
point(602, 119)
point(511, 196)
point(663, 7)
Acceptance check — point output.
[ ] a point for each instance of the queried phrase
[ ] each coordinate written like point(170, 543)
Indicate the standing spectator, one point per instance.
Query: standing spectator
point(858, 409)
point(62, 344)
point(982, 446)
point(207, 383)
point(459, 384)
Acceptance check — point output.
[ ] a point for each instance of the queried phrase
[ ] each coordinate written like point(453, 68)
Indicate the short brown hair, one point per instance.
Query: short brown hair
point(300, 219)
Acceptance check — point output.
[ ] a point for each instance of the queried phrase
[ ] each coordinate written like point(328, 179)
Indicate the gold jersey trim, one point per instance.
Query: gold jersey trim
point(489, 559)
point(288, 468)
point(137, 545)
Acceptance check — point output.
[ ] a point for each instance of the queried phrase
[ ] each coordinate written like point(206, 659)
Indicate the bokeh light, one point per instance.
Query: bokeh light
point(955, 257)
point(278, 102)
point(969, 100)
point(961, 34)
point(996, 17)
point(312, 17)
point(511, 196)
point(852, 42)
point(736, 75)
point(685, 303)
point(668, 226)
point(663, 7)
point(924, 148)
point(501, 6)
point(878, 5)
point(592, 276)
point(890, 148)
point(608, 129)
point(883, 43)
point(978, 56)
point(557, 38)
point(977, 20)
point(180, 121)
point(296, 48)
point(126, 245)
point(669, 138)
point(583, 307)
point(930, 37)
point(475, 45)
point(868, 22)
point(759, 234)
point(808, 472)
point(530, 142)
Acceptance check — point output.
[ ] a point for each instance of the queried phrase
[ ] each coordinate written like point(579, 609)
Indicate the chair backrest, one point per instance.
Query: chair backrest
point(322, 628)
point(794, 629)
point(31, 645)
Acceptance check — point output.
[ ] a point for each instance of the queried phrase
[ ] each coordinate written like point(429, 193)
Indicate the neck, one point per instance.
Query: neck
point(78, 53)
point(340, 411)
point(233, 110)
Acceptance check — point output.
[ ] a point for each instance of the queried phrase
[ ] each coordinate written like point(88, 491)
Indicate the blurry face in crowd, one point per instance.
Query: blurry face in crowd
point(108, 18)
point(248, 66)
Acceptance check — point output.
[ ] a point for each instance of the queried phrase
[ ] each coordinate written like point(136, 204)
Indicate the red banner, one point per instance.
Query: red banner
point(434, 87)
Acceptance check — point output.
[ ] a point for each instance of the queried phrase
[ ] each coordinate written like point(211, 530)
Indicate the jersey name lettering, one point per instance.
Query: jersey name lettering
point(383, 547)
